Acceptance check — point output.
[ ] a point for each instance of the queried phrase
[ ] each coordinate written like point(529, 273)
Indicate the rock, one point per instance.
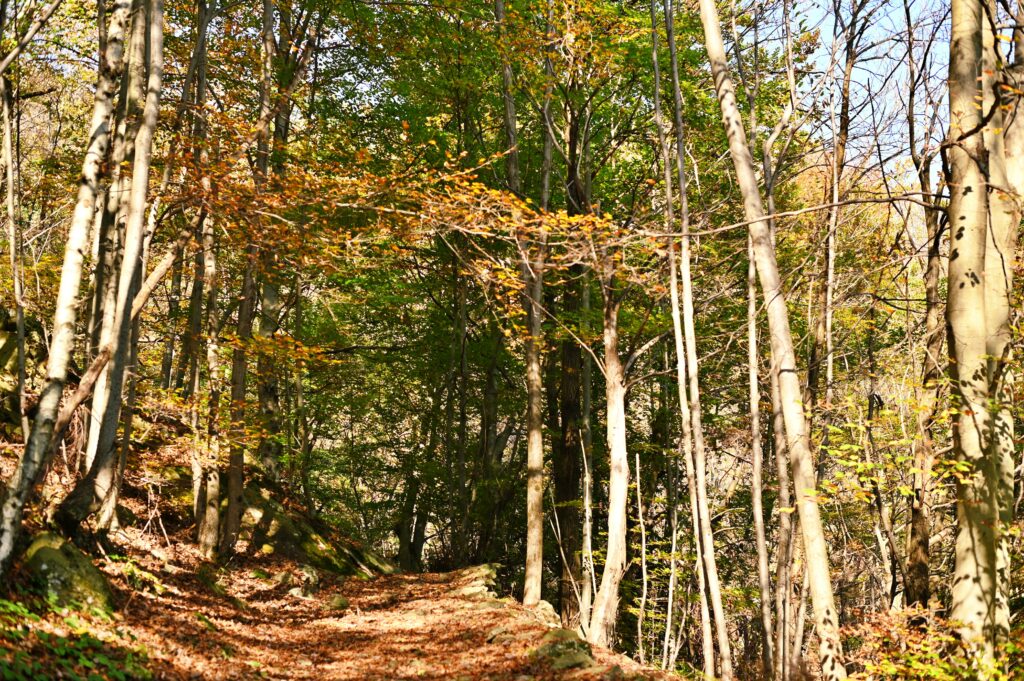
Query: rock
point(486, 574)
point(173, 488)
point(298, 592)
point(276, 530)
point(283, 578)
point(546, 613)
point(65, 575)
point(310, 580)
point(474, 591)
point(498, 634)
point(572, 659)
point(339, 602)
point(612, 672)
point(563, 649)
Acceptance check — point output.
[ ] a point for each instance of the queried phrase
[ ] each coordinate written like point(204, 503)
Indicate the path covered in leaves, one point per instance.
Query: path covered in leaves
point(254, 622)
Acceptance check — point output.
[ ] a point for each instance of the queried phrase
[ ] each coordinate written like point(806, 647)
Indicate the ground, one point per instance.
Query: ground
point(182, 619)
point(260, 615)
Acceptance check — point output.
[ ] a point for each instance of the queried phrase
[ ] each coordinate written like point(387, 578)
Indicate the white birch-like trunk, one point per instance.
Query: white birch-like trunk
point(815, 548)
point(37, 449)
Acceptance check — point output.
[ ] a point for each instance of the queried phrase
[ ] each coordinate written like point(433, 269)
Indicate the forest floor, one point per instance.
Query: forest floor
point(262, 616)
point(181, 618)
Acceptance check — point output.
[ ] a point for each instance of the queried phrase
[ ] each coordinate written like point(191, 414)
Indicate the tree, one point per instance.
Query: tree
point(826, 616)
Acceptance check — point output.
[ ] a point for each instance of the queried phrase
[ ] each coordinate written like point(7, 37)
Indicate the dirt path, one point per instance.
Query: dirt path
point(250, 622)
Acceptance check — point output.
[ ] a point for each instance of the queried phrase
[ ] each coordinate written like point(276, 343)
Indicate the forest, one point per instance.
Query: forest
point(511, 339)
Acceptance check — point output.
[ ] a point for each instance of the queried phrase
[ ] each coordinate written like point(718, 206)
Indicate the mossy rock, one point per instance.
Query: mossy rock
point(65, 575)
point(563, 649)
point(276, 530)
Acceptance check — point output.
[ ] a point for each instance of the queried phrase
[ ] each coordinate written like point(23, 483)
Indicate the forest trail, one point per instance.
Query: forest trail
point(405, 626)
point(184, 619)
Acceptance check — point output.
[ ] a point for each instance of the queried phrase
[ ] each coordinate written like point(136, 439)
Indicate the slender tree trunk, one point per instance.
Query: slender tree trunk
point(107, 519)
point(690, 348)
point(566, 472)
point(700, 459)
point(532, 267)
point(918, 591)
point(588, 578)
point(13, 165)
point(37, 449)
point(88, 495)
point(783, 564)
point(673, 529)
point(167, 377)
point(643, 565)
point(270, 299)
point(208, 454)
point(678, 328)
point(826, 617)
point(239, 371)
point(111, 219)
point(170, 377)
point(606, 603)
point(756, 456)
point(188, 364)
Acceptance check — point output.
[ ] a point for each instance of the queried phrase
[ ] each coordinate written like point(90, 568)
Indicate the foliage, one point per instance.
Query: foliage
point(913, 644)
point(31, 649)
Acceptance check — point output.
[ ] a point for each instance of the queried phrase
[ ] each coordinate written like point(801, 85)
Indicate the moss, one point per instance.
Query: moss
point(563, 649)
point(65, 575)
point(271, 527)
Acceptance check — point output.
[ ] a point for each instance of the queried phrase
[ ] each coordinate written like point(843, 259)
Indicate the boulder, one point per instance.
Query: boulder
point(546, 613)
point(563, 649)
point(275, 530)
point(65, 575)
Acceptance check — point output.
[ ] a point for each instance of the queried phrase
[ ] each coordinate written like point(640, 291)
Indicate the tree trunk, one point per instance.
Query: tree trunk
point(111, 218)
point(606, 603)
point(270, 299)
point(532, 270)
point(167, 377)
point(106, 519)
point(756, 456)
point(918, 591)
point(207, 454)
point(690, 348)
point(983, 226)
point(783, 562)
point(37, 449)
point(88, 495)
point(239, 372)
point(566, 471)
point(13, 181)
point(643, 566)
point(188, 363)
point(826, 617)
point(678, 328)
point(588, 578)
